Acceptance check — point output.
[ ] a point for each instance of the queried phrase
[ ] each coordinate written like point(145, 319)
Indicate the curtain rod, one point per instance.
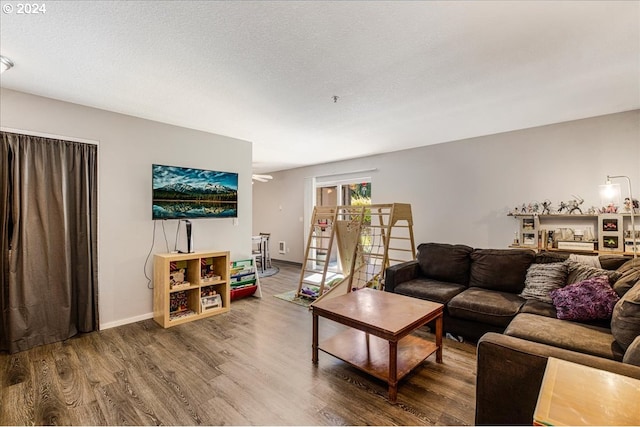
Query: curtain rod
point(344, 173)
point(49, 135)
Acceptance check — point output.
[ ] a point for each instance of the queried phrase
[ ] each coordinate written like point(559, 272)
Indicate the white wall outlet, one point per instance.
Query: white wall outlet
point(282, 248)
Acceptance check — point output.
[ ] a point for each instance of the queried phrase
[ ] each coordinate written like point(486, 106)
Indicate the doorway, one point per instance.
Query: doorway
point(345, 193)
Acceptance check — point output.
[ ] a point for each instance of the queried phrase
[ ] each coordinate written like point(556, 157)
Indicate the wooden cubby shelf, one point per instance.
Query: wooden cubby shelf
point(190, 286)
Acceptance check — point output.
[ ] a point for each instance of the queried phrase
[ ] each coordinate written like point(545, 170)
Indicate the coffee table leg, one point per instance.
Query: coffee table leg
point(314, 344)
point(393, 371)
point(439, 339)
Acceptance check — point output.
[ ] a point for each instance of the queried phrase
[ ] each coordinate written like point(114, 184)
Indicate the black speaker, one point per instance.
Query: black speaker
point(189, 237)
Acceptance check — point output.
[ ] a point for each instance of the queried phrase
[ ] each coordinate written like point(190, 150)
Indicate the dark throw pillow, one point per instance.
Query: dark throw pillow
point(589, 299)
point(542, 279)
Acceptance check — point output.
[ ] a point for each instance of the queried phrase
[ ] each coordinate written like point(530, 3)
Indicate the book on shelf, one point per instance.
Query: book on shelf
point(243, 285)
point(178, 301)
point(242, 277)
point(545, 239)
point(181, 314)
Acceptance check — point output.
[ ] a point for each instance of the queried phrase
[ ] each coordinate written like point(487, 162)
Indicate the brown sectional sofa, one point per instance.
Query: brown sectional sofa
point(480, 289)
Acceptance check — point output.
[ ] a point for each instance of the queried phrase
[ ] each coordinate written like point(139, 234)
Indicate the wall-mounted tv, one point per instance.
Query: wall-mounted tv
point(184, 193)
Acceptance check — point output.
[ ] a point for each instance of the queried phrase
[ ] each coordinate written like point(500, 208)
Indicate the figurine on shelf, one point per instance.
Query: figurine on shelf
point(563, 206)
point(546, 207)
point(630, 207)
point(534, 207)
point(574, 204)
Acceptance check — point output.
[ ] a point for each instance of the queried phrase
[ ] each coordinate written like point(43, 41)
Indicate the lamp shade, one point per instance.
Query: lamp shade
point(610, 195)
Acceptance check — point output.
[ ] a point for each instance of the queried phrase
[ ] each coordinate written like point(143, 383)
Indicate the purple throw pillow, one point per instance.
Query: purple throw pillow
point(589, 299)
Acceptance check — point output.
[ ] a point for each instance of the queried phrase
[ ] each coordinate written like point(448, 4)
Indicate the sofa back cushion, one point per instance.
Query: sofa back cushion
point(545, 257)
point(445, 262)
point(613, 262)
point(630, 274)
point(632, 355)
point(625, 320)
point(500, 269)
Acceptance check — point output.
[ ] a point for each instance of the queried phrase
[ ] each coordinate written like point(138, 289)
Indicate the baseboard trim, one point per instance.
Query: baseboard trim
point(122, 322)
point(282, 261)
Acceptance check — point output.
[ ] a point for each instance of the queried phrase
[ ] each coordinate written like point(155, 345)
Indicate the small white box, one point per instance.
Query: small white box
point(576, 246)
point(210, 302)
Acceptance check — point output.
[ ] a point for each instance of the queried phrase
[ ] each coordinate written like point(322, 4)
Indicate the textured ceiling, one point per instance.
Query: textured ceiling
point(407, 73)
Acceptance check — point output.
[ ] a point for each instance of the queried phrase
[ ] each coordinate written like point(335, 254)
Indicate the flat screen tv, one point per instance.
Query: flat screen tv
point(184, 193)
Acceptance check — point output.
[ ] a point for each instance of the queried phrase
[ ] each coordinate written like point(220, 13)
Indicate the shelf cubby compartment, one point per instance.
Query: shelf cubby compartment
point(211, 270)
point(183, 304)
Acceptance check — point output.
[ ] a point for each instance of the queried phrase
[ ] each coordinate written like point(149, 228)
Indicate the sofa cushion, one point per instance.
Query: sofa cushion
point(613, 262)
point(485, 306)
point(625, 320)
point(500, 269)
point(540, 308)
point(632, 355)
point(542, 279)
point(629, 275)
point(544, 257)
point(579, 272)
point(445, 262)
point(429, 289)
point(587, 300)
point(565, 334)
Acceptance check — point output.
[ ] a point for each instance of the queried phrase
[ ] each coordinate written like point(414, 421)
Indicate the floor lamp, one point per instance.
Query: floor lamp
point(607, 192)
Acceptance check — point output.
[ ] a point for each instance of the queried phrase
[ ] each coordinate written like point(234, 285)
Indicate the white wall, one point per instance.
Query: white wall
point(461, 191)
point(127, 148)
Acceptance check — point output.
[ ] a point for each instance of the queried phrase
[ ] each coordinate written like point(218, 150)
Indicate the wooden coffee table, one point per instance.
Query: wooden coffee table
point(379, 341)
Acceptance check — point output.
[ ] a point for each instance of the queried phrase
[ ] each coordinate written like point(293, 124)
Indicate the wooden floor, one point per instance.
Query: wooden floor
point(251, 366)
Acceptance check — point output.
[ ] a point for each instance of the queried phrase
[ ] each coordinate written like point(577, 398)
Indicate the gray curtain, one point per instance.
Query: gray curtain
point(48, 222)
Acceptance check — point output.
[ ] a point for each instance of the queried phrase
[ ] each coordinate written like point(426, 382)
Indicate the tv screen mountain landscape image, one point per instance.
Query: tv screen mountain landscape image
point(184, 193)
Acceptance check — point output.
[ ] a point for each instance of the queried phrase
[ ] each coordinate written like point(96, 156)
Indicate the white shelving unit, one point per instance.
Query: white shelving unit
point(611, 233)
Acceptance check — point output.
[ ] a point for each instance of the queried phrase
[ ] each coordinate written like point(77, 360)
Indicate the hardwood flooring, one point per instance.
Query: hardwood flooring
point(251, 366)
